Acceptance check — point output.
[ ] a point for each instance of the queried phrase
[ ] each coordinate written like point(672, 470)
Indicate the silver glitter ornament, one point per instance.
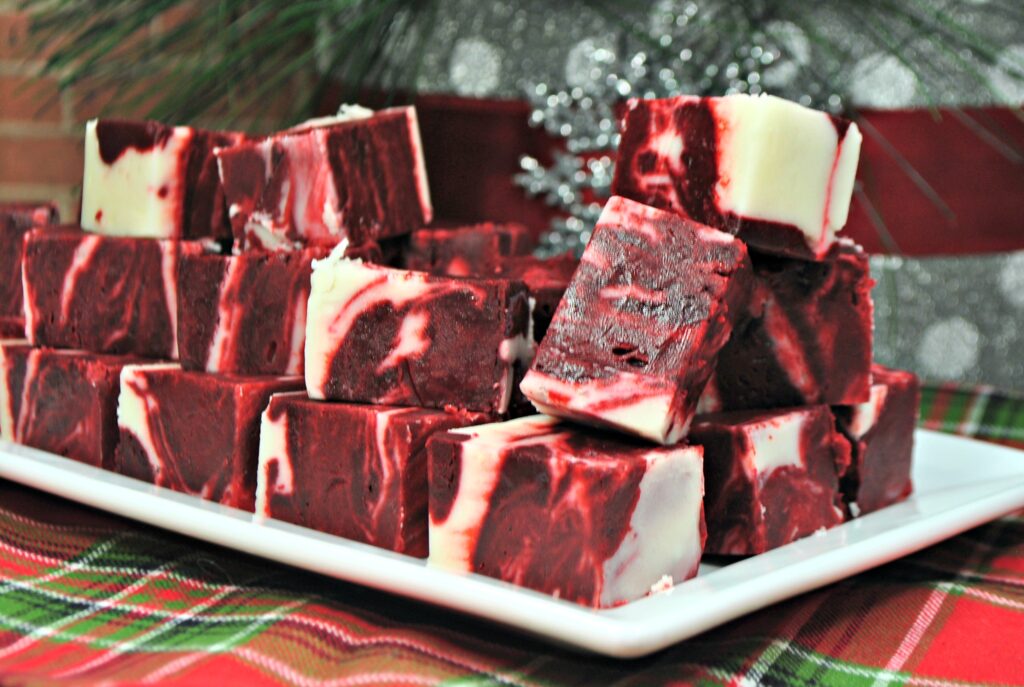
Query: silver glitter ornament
point(952, 318)
point(882, 81)
point(949, 348)
point(1011, 281)
point(475, 67)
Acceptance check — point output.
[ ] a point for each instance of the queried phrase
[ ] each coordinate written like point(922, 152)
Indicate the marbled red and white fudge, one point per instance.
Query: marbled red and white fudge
point(881, 431)
point(635, 337)
point(148, 180)
point(807, 339)
point(193, 432)
point(244, 314)
point(394, 337)
point(12, 327)
point(15, 220)
point(546, 278)
point(60, 401)
point(586, 516)
point(778, 175)
point(359, 176)
point(102, 294)
point(357, 471)
point(470, 251)
point(770, 476)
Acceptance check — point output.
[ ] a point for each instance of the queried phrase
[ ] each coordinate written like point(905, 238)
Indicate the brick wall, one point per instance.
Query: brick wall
point(40, 129)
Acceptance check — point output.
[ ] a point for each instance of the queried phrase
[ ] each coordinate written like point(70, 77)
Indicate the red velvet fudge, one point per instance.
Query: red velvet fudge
point(12, 327)
point(64, 402)
point(635, 338)
point(102, 294)
point(585, 516)
point(194, 432)
point(148, 180)
point(359, 176)
point(778, 175)
point(546, 278)
point(244, 314)
point(357, 471)
point(472, 251)
point(807, 339)
point(881, 431)
point(15, 220)
point(770, 476)
point(394, 337)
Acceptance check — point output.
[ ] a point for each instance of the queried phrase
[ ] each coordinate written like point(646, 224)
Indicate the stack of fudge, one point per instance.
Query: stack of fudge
point(275, 324)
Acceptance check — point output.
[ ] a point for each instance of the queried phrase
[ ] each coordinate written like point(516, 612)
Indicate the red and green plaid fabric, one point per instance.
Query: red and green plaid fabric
point(87, 599)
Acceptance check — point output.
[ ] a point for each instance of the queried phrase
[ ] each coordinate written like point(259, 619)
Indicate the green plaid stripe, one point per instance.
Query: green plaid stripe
point(130, 605)
point(983, 412)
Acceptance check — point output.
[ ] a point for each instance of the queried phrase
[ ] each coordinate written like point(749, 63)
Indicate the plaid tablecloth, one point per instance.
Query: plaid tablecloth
point(87, 599)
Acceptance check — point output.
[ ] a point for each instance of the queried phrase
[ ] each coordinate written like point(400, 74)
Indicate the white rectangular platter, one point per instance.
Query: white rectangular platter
point(959, 483)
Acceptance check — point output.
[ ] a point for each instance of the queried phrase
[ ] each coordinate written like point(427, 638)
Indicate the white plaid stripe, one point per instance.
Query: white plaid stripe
point(65, 569)
point(229, 643)
point(934, 603)
point(879, 675)
point(93, 608)
point(132, 644)
point(332, 630)
point(975, 411)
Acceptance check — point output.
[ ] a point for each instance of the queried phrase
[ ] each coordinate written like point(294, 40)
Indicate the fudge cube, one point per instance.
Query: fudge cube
point(394, 337)
point(359, 176)
point(357, 471)
point(193, 432)
point(807, 339)
point(634, 340)
point(473, 251)
point(15, 220)
point(12, 327)
point(585, 516)
point(102, 294)
point(770, 476)
point(64, 402)
point(546, 278)
point(881, 432)
point(148, 180)
point(244, 314)
point(778, 175)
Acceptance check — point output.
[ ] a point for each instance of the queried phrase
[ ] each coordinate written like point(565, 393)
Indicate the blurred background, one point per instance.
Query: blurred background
point(519, 103)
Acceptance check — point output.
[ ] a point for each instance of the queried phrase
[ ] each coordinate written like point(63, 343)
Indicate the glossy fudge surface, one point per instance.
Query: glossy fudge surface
point(636, 335)
point(583, 515)
point(472, 251)
point(881, 431)
point(15, 220)
point(807, 339)
point(777, 174)
point(357, 471)
point(146, 179)
point(194, 432)
point(244, 314)
point(359, 177)
point(64, 402)
point(770, 476)
point(102, 294)
point(395, 337)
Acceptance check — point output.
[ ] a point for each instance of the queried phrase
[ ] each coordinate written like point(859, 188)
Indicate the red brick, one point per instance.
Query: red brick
point(13, 35)
point(33, 160)
point(90, 101)
point(29, 99)
point(16, 43)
